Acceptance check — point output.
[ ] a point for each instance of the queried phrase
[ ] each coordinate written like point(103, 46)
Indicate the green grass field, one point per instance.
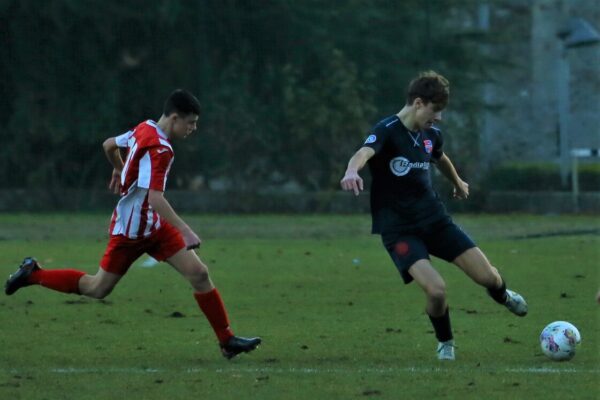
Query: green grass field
point(336, 320)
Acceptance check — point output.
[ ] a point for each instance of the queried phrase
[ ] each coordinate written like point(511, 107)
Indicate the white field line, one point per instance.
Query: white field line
point(304, 370)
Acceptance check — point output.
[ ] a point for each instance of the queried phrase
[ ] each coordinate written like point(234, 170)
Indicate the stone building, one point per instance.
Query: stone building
point(521, 121)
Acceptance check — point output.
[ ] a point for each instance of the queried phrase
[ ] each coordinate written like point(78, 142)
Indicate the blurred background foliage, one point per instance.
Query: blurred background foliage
point(289, 88)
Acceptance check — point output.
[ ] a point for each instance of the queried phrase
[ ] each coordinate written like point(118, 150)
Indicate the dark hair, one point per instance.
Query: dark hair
point(181, 102)
point(431, 87)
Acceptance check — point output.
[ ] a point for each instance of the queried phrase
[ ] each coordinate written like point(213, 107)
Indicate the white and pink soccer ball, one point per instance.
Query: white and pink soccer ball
point(559, 340)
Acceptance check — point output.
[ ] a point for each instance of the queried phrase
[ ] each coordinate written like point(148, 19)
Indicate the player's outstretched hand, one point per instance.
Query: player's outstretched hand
point(461, 190)
point(352, 182)
point(115, 182)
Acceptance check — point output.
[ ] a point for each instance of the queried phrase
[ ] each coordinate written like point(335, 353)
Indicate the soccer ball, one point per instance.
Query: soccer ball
point(559, 340)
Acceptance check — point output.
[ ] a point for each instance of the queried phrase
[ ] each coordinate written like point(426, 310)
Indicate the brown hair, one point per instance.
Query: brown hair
point(431, 87)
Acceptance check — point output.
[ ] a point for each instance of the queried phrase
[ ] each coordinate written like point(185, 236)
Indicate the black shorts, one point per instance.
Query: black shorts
point(444, 240)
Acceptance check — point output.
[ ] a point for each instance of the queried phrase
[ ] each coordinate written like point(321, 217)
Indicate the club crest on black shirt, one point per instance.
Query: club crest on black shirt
point(402, 197)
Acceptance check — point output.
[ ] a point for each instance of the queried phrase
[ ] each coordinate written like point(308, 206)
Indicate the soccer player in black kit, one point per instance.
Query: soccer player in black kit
point(406, 211)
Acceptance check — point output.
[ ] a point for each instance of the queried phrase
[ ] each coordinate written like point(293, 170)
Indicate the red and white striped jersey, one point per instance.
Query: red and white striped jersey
point(149, 159)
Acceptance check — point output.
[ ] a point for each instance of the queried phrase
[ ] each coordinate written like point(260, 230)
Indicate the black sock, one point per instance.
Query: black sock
point(441, 326)
point(499, 294)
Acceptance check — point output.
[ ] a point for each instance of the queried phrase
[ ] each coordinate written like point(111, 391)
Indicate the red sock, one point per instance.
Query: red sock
point(213, 308)
point(62, 280)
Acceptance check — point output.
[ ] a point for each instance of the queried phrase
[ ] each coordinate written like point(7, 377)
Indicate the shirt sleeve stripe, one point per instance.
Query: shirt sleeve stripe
point(145, 172)
point(165, 143)
point(123, 139)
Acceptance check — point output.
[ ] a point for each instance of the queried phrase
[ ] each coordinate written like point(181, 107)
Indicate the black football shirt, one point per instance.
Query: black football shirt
point(402, 198)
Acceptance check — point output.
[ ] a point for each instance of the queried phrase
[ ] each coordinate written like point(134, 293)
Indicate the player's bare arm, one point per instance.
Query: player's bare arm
point(157, 201)
point(113, 153)
point(461, 188)
point(351, 180)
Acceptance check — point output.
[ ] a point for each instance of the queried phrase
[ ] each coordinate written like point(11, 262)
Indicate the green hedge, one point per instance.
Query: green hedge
point(540, 176)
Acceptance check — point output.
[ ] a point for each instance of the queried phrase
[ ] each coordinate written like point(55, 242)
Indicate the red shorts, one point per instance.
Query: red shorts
point(121, 251)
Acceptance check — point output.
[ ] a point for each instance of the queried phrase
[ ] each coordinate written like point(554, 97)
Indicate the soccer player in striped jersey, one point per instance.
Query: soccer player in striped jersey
point(144, 222)
point(407, 212)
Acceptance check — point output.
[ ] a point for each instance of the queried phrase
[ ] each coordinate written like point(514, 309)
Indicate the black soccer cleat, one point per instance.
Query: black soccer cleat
point(236, 345)
point(20, 278)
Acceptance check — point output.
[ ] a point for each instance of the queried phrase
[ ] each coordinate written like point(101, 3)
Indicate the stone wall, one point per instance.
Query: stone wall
point(521, 122)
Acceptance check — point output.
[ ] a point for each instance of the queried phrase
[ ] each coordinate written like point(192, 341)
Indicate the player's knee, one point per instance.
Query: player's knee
point(199, 275)
point(102, 293)
point(437, 292)
point(99, 290)
point(97, 293)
